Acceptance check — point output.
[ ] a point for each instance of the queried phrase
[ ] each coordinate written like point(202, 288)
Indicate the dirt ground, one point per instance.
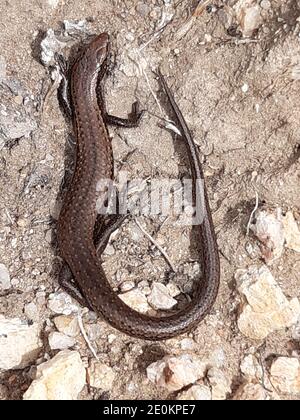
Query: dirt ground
point(242, 105)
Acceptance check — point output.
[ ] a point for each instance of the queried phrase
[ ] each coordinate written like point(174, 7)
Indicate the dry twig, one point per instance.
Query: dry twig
point(85, 336)
point(252, 214)
point(151, 239)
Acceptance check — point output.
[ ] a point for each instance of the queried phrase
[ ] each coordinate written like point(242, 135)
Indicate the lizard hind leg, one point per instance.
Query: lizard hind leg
point(104, 230)
point(66, 282)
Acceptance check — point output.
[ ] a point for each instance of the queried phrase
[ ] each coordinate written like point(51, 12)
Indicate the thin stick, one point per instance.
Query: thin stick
point(8, 216)
point(151, 239)
point(252, 214)
point(83, 332)
point(142, 70)
point(156, 34)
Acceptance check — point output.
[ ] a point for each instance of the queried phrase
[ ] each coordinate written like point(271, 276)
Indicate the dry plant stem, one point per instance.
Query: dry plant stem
point(85, 336)
point(151, 239)
point(252, 213)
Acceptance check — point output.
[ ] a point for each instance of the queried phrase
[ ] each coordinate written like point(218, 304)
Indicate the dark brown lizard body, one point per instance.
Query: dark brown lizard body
point(94, 162)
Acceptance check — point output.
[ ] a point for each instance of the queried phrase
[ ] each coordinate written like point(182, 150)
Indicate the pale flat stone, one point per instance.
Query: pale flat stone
point(251, 368)
point(61, 378)
point(291, 232)
point(60, 341)
point(173, 289)
point(67, 325)
point(32, 312)
point(126, 286)
point(248, 15)
point(15, 126)
point(136, 300)
point(101, 376)
point(268, 228)
point(20, 343)
point(266, 309)
point(251, 392)
point(217, 358)
point(109, 250)
point(111, 338)
point(187, 344)
point(174, 373)
point(220, 384)
point(62, 303)
point(285, 375)
point(144, 287)
point(196, 392)
point(160, 298)
point(295, 72)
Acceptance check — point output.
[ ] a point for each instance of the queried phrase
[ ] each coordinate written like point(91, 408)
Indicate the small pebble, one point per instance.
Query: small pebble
point(136, 300)
point(135, 233)
point(144, 287)
point(160, 298)
point(196, 392)
point(251, 368)
point(32, 312)
point(5, 282)
point(175, 373)
point(129, 37)
point(100, 376)
point(41, 298)
point(109, 250)
point(217, 358)
point(111, 338)
point(291, 232)
point(22, 223)
point(48, 236)
point(245, 88)
point(285, 375)
point(187, 344)
point(62, 304)
point(55, 208)
point(18, 99)
point(173, 289)
point(248, 15)
point(126, 286)
point(67, 325)
point(142, 9)
point(59, 341)
point(265, 4)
